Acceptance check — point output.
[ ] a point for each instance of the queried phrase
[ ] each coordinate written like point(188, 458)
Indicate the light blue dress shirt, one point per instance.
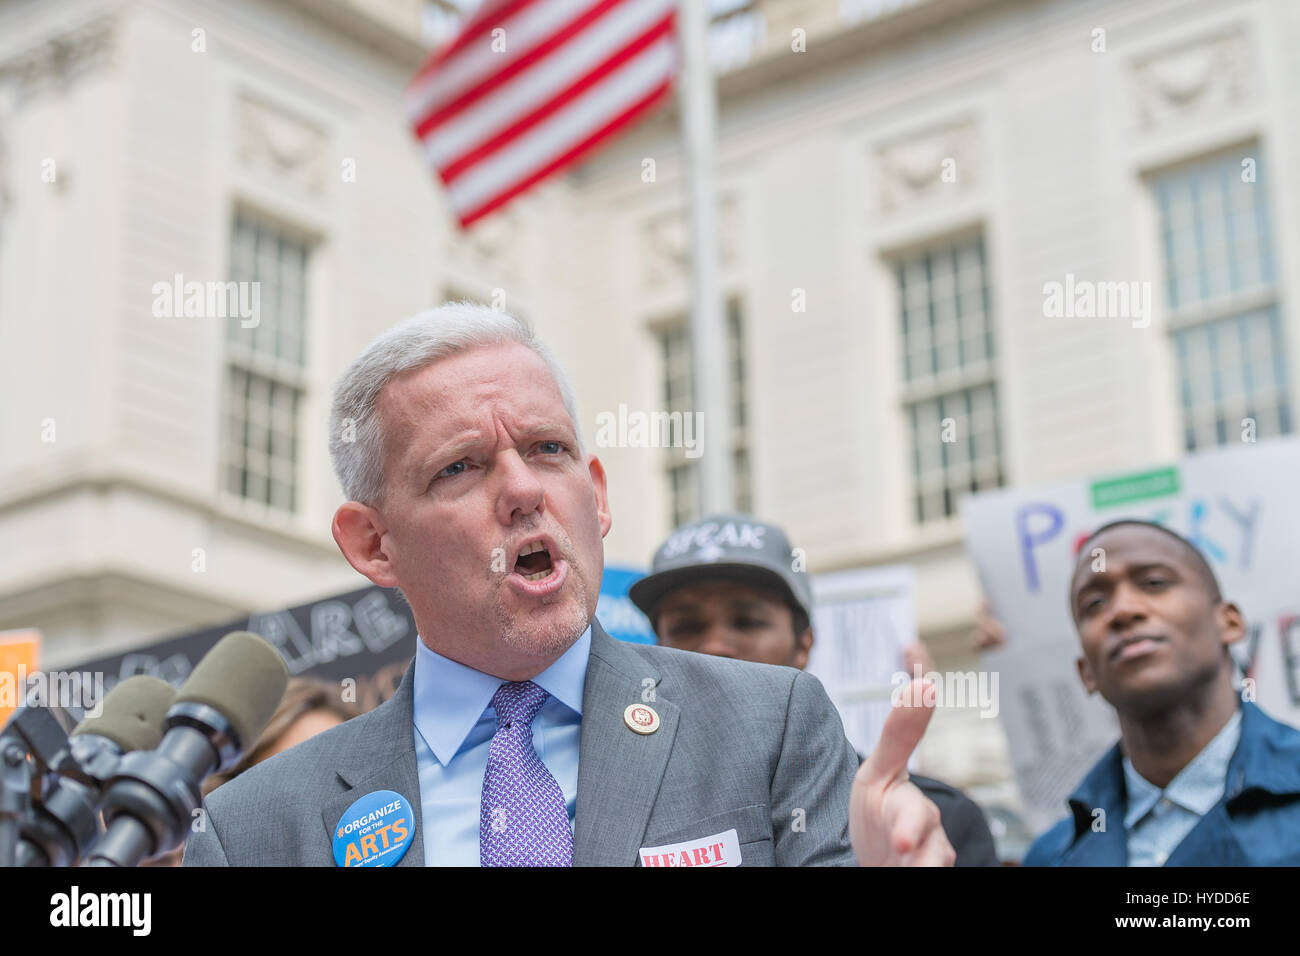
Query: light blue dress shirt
point(1156, 820)
point(454, 725)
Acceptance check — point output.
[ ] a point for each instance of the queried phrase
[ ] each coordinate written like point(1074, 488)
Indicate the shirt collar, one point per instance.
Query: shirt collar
point(1142, 795)
point(450, 697)
point(1197, 787)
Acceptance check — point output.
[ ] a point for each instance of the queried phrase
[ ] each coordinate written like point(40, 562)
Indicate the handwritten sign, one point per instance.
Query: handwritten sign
point(862, 620)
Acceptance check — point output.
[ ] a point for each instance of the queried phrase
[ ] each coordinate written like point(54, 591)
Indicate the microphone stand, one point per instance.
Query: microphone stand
point(15, 797)
point(32, 743)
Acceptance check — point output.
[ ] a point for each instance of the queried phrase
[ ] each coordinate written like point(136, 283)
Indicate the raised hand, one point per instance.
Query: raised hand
point(891, 822)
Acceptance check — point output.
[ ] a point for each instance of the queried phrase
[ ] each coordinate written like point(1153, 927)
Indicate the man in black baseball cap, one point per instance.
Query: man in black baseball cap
point(725, 585)
point(731, 568)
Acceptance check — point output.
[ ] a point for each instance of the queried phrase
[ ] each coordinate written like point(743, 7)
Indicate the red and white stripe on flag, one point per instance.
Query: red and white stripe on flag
point(529, 87)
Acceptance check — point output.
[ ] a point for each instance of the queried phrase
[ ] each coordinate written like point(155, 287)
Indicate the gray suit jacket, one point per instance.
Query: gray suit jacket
point(750, 746)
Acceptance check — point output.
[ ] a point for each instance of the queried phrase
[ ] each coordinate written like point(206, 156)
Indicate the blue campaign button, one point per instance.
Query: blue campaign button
point(375, 831)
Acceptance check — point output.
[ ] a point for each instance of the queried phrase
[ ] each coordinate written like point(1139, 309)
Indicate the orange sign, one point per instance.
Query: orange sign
point(20, 656)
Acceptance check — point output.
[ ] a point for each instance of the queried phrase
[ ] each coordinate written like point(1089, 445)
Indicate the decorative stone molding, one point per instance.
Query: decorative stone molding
point(487, 254)
point(495, 238)
point(58, 60)
point(1211, 73)
point(932, 161)
point(271, 141)
point(666, 242)
point(53, 63)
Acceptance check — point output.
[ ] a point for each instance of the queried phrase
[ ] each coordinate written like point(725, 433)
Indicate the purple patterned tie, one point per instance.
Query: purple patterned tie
point(522, 818)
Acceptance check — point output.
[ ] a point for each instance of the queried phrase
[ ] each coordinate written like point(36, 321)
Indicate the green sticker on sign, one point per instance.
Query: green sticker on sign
point(1147, 484)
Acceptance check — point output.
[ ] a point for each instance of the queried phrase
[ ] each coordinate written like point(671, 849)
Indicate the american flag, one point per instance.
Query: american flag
point(529, 87)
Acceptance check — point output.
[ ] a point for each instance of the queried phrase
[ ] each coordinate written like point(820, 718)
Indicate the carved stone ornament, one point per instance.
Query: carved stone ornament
point(666, 241)
point(271, 141)
point(494, 237)
point(927, 163)
point(59, 59)
point(1210, 74)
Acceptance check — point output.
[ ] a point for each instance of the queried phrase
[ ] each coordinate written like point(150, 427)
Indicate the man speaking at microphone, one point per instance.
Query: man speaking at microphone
point(523, 734)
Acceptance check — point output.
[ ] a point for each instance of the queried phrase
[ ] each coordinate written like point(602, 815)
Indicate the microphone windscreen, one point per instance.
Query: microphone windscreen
point(243, 678)
point(133, 714)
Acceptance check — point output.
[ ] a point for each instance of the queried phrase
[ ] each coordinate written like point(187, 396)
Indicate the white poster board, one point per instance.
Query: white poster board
point(862, 620)
point(1238, 505)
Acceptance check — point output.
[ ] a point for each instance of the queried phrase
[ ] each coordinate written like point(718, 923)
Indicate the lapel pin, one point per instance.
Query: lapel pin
point(375, 831)
point(641, 718)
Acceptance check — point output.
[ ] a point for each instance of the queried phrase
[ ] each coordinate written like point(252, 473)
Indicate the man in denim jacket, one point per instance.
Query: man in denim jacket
point(1201, 776)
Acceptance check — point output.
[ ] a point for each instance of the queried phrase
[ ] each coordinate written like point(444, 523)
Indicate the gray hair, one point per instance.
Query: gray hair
point(356, 442)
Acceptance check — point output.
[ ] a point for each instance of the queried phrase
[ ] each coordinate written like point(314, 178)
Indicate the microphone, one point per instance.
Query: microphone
point(65, 821)
point(219, 712)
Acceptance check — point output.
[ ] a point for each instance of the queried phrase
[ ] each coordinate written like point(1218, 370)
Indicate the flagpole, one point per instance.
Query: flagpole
point(710, 362)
